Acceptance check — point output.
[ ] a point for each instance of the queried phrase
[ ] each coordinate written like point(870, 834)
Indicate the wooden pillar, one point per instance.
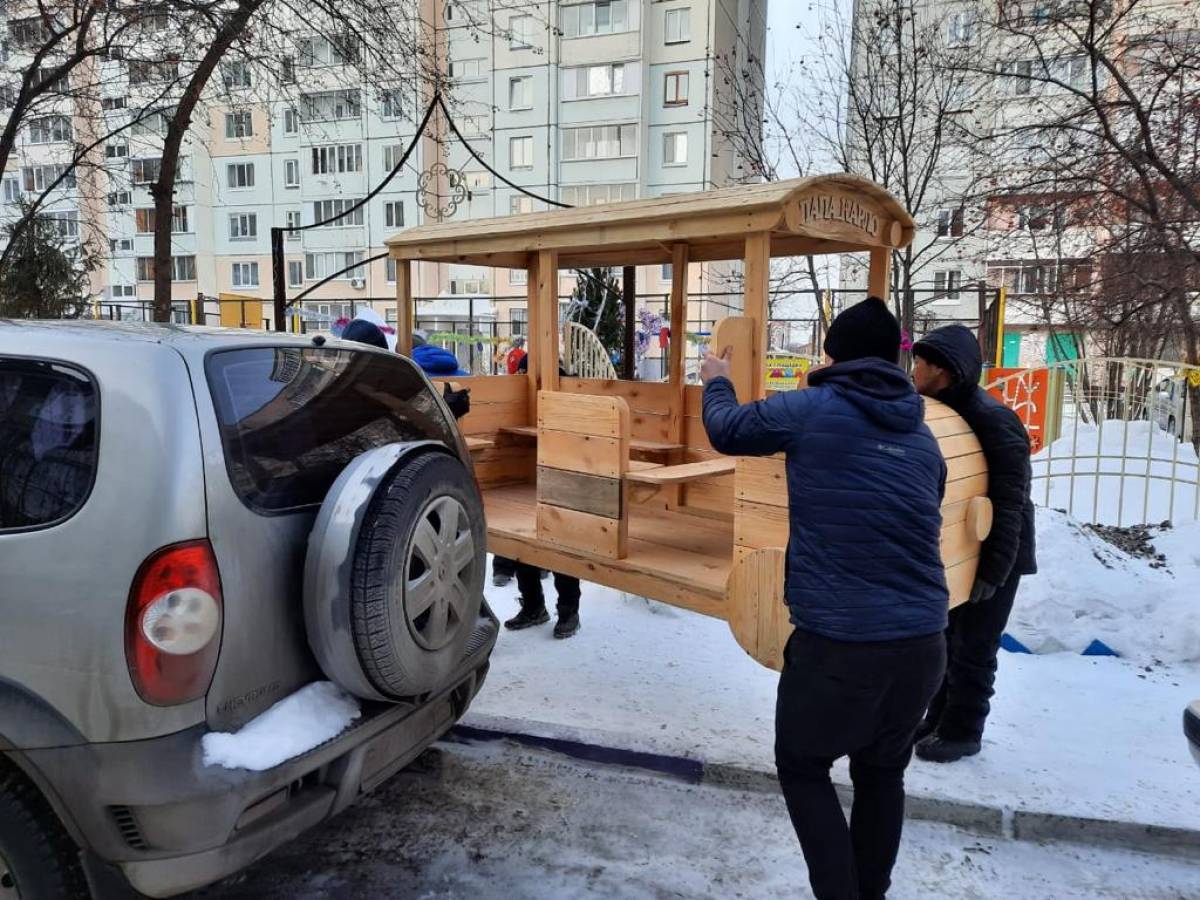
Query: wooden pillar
point(880, 276)
point(404, 306)
point(533, 319)
point(676, 360)
point(758, 283)
point(629, 311)
point(547, 331)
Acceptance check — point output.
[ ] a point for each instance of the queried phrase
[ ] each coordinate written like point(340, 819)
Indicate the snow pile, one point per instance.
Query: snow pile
point(1088, 589)
point(296, 724)
point(1123, 454)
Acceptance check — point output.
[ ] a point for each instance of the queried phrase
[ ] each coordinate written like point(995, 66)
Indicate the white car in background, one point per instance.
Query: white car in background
point(1168, 406)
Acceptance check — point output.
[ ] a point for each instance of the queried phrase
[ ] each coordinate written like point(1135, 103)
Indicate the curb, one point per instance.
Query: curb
point(610, 748)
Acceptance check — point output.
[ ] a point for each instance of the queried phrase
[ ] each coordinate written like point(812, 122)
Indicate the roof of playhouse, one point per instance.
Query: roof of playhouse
point(822, 214)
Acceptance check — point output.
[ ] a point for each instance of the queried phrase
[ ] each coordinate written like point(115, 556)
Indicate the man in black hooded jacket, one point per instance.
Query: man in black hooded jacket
point(947, 366)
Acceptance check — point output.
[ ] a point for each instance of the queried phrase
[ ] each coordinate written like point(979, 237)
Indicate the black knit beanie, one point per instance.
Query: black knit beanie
point(862, 330)
point(364, 332)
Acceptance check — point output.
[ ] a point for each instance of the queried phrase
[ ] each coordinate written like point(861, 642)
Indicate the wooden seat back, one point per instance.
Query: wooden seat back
point(582, 457)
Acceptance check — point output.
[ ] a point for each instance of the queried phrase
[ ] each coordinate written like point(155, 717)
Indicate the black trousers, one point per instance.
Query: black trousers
point(961, 706)
point(864, 701)
point(529, 582)
point(502, 565)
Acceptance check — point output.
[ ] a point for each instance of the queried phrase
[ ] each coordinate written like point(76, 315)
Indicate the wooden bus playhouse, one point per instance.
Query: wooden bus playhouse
point(615, 481)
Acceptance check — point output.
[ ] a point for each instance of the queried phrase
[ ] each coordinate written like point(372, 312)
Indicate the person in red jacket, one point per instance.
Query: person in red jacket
point(515, 355)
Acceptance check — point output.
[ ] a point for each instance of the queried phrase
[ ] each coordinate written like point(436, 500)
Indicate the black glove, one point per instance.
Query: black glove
point(458, 401)
point(981, 591)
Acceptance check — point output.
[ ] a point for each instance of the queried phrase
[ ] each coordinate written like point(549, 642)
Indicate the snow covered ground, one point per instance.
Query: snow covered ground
point(1145, 474)
point(1086, 736)
point(495, 821)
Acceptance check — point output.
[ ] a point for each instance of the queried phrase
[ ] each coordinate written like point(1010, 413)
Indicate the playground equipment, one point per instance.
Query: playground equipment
point(615, 481)
point(583, 355)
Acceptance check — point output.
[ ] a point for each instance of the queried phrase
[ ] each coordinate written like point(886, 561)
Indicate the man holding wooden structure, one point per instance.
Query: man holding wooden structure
point(864, 586)
point(947, 366)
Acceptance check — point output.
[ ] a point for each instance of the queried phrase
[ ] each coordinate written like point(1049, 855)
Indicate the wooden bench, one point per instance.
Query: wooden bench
point(661, 475)
point(476, 444)
point(641, 446)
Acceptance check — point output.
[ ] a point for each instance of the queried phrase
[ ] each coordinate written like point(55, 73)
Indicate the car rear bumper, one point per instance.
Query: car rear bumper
point(169, 824)
point(1191, 728)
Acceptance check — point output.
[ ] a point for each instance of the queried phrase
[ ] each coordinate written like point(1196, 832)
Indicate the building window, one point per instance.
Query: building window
point(393, 213)
point(12, 190)
point(392, 103)
point(111, 103)
point(521, 32)
point(291, 173)
point(1035, 218)
point(291, 219)
point(322, 265)
point(116, 151)
point(675, 89)
point(959, 28)
point(152, 123)
point(677, 25)
point(1018, 76)
point(240, 175)
point(142, 72)
point(518, 277)
point(291, 120)
point(330, 106)
point(143, 220)
point(295, 273)
point(949, 222)
point(599, 142)
point(391, 156)
point(665, 274)
point(183, 268)
point(123, 290)
point(479, 182)
point(337, 159)
point(65, 222)
point(520, 204)
point(595, 194)
point(1072, 71)
point(243, 226)
point(337, 213)
point(50, 130)
point(520, 92)
point(116, 245)
point(245, 274)
point(468, 68)
point(584, 19)
point(947, 282)
point(239, 124)
point(675, 148)
point(179, 220)
point(320, 50)
point(39, 178)
point(236, 74)
point(120, 198)
point(584, 82)
point(520, 152)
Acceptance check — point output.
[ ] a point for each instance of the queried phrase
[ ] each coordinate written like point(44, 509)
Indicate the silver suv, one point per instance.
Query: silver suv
point(194, 524)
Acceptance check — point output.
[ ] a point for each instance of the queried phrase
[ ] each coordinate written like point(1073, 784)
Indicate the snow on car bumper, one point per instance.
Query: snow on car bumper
point(175, 824)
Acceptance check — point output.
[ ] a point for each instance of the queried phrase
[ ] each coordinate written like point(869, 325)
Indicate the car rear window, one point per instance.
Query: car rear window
point(48, 442)
point(291, 418)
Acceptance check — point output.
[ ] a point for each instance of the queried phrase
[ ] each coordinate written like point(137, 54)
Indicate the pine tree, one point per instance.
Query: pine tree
point(596, 304)
point(43, 278)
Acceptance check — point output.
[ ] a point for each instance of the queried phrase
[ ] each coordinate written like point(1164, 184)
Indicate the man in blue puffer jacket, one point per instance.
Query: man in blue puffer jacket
point(864, 586)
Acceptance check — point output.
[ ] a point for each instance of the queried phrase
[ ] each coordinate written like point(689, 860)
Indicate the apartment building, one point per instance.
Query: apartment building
point(576, 102)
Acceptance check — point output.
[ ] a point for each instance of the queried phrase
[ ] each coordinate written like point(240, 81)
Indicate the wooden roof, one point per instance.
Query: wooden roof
point(822, 214)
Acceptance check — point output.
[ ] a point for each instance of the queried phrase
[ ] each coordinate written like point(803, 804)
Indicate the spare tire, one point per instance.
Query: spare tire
point(394, 584)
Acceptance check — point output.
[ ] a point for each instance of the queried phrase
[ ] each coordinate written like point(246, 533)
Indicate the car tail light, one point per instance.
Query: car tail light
point(173, 624)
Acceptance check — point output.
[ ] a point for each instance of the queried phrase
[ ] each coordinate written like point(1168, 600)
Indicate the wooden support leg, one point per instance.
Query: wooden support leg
point(404, 307)
point(758, 284)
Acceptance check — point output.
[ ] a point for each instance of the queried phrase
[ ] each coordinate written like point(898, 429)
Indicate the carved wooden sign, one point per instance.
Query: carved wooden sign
point(822, 208)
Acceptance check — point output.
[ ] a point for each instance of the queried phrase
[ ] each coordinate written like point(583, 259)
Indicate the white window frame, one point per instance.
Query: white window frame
point(50, 130)
point(327, 209)
point(520, 32)
point(12, 189)
point(239, 124)
point(291, 120)
point(292, 218)
point(581, 20)
point(244, 180)
point(519, 204)
point(518, 277)
point(291, 173)
point(393, 214)
point(243, 226)
point(525, 83)
point(599, 139)
point(948, 283)
point(244, 274)
point(681, 80)
point(236, 74)
point(295, 267)
point(525, 142)
point(473, 69)
point(672, 141)
point(677, 25)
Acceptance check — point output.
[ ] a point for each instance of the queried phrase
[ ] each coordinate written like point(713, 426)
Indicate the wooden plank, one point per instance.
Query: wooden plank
point(504, 470)
point(652, 429)
point(583, 414)
point(694, 435)
point(737, 333)
point(948, 426)
point(757, 285)
point(684, 472)
point(957, 544)
point(404, 308)
point(597, 535)
point(693, 396)
point(592, 494)
point(582, 452)
point(487, 389)
point(935, 409)
point(959, 445)
point(761, 480)
point(475, 444)
point(652, 397)
point(966, 466)
point(758, 616)
point(759, 525)
point(547, 331)
point(675, 364)
point(711, 497)
point(959, 579)
point(965, 488)
point(533, 380)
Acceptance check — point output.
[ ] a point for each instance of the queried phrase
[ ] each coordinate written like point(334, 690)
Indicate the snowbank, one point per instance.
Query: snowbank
point(1088, 589)
point(296, 724)
point(1139, 467)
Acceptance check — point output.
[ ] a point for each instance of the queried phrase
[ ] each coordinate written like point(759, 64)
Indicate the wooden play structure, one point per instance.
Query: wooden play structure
point(615, 481)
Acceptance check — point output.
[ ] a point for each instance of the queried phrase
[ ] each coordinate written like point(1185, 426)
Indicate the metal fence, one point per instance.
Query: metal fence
point(1114, 440)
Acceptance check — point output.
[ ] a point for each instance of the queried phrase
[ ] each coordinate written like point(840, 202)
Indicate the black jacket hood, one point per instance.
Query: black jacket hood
point(958, 349)
point(877, 387)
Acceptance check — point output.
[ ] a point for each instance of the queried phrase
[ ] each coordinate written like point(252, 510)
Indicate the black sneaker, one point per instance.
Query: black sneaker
point(566, 626)
point(500, 579)
point(940, 750)
point(527, 619)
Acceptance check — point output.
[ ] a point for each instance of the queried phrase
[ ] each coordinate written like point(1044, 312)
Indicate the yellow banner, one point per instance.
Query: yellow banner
point(786, 373)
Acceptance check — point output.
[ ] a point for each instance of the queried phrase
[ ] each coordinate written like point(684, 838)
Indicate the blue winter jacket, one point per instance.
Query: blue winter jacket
point(436, 360)
point(865, 482)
